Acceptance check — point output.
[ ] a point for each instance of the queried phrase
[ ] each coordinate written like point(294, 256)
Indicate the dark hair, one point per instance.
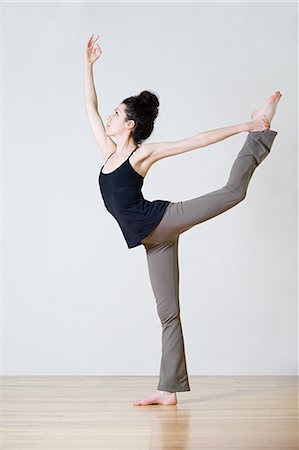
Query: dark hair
point(143, 109)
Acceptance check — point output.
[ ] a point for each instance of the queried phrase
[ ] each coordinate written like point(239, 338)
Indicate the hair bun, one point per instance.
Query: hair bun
point(151, 101)
point(150, 98)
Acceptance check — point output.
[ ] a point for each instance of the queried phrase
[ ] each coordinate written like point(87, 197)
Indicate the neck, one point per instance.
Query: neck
point(124, 146)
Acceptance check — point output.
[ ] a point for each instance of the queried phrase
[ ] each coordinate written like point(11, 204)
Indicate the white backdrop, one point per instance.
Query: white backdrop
point(75, 299)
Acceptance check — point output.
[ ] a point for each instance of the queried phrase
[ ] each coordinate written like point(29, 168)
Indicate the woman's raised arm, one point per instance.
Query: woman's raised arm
point(92, 53)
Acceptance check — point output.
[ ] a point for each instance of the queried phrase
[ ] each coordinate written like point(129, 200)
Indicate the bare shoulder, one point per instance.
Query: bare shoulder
point(159, 150)
point(152, 152)
point(141, 159)
point(148, 154)
point(142, 153)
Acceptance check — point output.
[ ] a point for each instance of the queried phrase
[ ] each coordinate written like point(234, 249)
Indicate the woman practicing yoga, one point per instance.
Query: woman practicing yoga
point(158, 224)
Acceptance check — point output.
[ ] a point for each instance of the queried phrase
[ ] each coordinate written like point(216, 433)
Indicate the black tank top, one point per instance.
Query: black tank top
point(122, 196)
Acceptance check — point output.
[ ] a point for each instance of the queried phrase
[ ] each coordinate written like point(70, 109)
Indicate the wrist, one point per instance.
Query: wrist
point(245, 126)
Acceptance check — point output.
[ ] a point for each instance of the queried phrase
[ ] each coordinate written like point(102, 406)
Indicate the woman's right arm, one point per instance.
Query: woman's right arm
point(106, 144)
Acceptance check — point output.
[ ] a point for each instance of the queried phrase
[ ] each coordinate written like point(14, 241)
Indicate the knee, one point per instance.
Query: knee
point(169, 316)
point(241, 196)
point(239, 193)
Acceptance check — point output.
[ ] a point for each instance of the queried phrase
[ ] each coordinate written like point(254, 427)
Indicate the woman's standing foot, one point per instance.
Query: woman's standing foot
point(158, 397)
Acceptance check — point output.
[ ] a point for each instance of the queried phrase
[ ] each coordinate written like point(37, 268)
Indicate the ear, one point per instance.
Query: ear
point(131, 124)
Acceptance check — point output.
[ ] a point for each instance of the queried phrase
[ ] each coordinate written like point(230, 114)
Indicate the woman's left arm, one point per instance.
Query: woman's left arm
point(160, 150)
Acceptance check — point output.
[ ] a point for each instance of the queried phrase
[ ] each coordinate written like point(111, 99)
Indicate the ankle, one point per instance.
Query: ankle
point(165, 392)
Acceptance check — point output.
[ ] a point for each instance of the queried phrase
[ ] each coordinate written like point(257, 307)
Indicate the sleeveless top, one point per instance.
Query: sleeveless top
point(122, 196)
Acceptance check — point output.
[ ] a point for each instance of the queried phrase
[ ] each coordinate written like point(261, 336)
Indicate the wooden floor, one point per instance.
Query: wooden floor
point(251, 412)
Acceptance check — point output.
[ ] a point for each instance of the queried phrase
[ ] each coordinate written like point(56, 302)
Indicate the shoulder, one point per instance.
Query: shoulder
point(151, 152)
point(141, 159)
point(141, 154)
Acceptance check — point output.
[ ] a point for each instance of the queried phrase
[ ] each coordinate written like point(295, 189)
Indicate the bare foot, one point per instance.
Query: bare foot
point(158, 397)
point(268, 110)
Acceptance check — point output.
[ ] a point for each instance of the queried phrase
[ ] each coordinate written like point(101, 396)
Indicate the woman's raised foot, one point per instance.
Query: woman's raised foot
point(269, 109)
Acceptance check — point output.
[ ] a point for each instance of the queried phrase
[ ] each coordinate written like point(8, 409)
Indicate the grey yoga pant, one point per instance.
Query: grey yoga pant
point(161, 247)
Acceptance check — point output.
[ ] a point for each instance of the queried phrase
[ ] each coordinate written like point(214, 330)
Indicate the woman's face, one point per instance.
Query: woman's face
point(116, 120)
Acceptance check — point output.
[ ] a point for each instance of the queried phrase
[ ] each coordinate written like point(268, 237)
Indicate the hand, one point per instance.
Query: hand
point(261, 124)
point(93, 50)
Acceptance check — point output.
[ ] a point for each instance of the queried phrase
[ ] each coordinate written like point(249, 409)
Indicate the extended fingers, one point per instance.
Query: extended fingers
point(92, 40)
point(89, 41)
point(267, 123)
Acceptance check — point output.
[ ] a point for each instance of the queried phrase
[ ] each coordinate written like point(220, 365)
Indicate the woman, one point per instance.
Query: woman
point(158, 224)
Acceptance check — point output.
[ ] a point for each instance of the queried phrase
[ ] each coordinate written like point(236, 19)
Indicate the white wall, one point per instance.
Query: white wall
point(75, 299)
